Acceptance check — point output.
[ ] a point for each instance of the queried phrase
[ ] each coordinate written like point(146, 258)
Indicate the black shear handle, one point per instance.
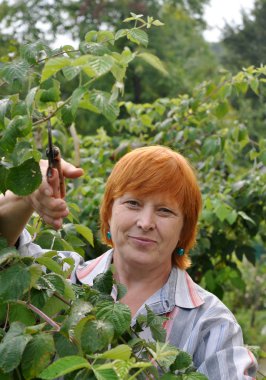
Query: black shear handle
point(54, 162)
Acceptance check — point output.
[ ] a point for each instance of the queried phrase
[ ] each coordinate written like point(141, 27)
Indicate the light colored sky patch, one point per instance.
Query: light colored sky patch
point(220, 12)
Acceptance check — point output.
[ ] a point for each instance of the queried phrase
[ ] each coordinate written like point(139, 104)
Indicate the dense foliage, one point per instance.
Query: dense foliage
point(38, 307)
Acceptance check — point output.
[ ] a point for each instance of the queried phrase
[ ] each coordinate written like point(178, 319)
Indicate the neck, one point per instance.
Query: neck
point(141, 283)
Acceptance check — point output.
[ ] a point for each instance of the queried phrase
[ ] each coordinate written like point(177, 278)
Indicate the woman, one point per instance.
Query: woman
point(149, 216)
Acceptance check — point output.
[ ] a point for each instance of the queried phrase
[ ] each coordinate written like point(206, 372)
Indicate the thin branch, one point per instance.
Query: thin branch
point(40, 313)
point(75, 137)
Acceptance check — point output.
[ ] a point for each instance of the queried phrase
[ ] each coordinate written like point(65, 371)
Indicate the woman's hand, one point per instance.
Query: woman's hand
point(46, 199)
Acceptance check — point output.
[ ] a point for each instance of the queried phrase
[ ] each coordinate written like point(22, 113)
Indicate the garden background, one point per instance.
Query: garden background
point(159, 82)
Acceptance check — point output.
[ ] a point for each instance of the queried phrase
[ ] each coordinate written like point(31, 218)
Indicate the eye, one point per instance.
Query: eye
point(132, 203)
point(165, 211)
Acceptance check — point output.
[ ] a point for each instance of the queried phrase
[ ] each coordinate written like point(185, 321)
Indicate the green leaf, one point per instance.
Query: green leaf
point(70, 72)
point(54, 282)
point(103, 282)
point(63, 366)
point(85, 232)
point(15, 70)
point(154, 61)
point(104, 373)
point(221, 109)
point(121, 33)
point(182, 361)
point(194, 376)
point(21, 313)
point(117, 314)
point(12, 347)
point(20, 126)
point(4, 104)
point(53, 65)
point(50, 264)
point(101, 65)
point(96, 335)
point(157, 23)
point(31, 52)
point(7, 255)
point(155, 322)
point(30, 99)
point(25, 178)
point(14, 281)
point(102, 101)
point(79, 310)
point(76, 98)
point(52, 93)
point(37, 355)
point(122, 352)
point(3, 177)
point(121, 291)
point(138, 36)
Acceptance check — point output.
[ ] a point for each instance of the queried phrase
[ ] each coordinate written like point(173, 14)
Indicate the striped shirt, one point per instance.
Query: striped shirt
point(198, 322)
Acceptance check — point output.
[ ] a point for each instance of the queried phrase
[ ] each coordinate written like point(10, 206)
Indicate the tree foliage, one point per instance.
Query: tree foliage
point(38, 306)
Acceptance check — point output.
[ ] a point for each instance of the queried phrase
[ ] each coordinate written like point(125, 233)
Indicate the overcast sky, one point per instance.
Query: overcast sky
point(221, 11)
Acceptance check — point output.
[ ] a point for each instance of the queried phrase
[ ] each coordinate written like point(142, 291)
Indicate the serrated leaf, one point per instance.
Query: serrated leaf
point(63, 366)
point(30, 99)
point(104, 373)
point(121, 291)
point(15, 70)
point(221, 109)
point(101, 65)
point(194, 376)
point(56, 282)
point(25, 178)
point(76, 98)
point(96, 336)
point(157, 23)
point(7, 255)
point(122, 352)
point(4, 103)
point(50, 264)
point(182, 361)
point(70, 72)
point(120, 33)
point(95, 48)
point(21, 313)
point(14, 281)
point(80, 309)
point(85, 232)
point(103, 282)
point(20, 126)
point(154, 61)
point(117, 314)
point(138, 36)
point(31, 51)
point(155, 322)
point(11, 352)
point(37, 355)
point(53, 65)
point(102, 101)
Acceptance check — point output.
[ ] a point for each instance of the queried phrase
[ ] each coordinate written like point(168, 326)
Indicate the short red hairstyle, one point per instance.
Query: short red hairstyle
point(156, 169)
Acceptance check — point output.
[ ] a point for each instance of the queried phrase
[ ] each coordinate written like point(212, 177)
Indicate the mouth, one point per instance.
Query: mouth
point(142, 240)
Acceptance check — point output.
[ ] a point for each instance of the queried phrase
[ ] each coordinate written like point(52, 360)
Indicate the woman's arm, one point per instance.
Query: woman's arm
point(15, 210)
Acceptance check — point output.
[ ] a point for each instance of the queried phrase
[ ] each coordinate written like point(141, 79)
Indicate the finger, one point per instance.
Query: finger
point(55, 223)
point(70, 171)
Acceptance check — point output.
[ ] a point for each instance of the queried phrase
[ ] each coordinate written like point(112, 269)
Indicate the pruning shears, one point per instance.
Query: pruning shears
point(54, 162)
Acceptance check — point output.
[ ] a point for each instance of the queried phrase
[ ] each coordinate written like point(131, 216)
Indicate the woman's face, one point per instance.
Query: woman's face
point(145, 229)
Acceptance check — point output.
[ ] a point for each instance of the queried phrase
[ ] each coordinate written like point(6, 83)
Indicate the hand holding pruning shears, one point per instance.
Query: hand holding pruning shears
point(48, 200)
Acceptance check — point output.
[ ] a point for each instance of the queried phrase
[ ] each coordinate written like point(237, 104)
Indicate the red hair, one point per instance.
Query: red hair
point(156, 169)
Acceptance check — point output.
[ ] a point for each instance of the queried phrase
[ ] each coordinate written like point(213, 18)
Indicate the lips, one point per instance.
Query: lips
point(142, 240)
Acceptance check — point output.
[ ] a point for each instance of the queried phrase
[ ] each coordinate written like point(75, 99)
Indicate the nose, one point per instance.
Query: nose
point(146, 219)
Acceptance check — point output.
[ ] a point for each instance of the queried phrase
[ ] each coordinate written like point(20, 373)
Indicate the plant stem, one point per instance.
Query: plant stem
point(40, 313)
